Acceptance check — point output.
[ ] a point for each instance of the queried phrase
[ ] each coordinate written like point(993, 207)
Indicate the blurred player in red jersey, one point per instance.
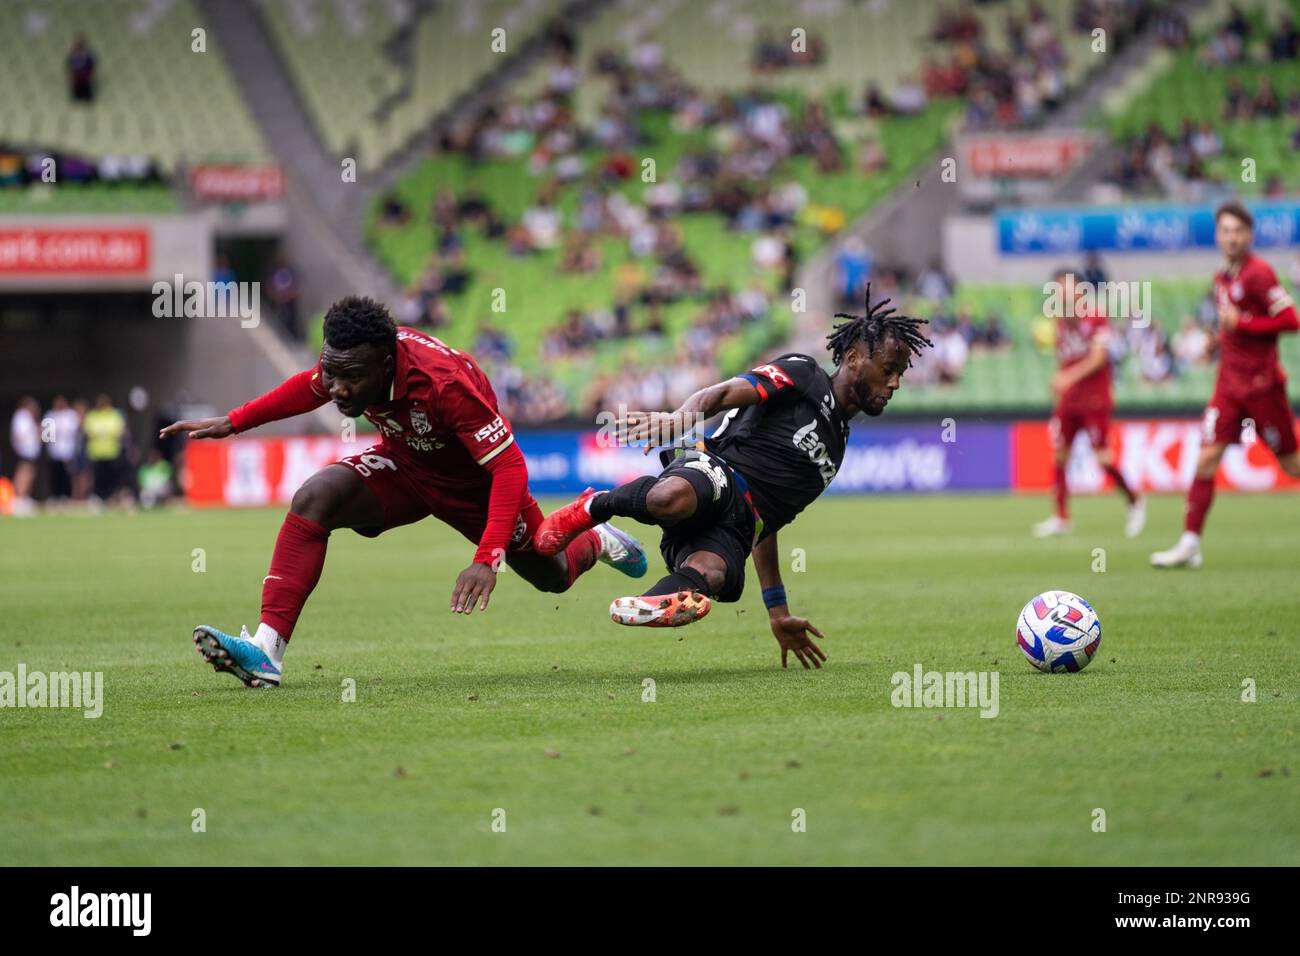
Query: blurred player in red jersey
point(1250, 393)
point(446, 451)
point(1084, 401)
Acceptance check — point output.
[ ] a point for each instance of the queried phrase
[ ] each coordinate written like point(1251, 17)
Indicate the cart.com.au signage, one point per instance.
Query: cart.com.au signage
point(881, 458)
point(74, 250)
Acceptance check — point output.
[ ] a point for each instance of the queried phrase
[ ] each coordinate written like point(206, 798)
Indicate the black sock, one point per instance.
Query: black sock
point(627, 501)
point(685, 579)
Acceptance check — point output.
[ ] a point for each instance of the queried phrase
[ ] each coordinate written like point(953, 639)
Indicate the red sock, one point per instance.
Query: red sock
point(295, 569)
point(1118, 477)
point(1199, 498)
point(581, 555)
point(1062, 493)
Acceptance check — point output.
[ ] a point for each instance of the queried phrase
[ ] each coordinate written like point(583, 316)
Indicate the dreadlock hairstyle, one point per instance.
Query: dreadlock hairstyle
point(873, 328)
point(357, 320)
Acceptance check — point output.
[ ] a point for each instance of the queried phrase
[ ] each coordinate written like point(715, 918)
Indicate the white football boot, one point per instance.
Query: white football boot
point(1052, 527)
point(1137, 517)
point(1185, 554)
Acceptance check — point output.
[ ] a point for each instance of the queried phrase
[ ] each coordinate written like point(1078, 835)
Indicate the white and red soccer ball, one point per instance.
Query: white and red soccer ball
point(1058, 631)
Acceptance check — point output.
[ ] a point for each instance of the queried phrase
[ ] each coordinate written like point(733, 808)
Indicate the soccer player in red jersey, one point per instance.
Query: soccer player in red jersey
point(1250, 393)
point(446, 451)
point(1084, 402)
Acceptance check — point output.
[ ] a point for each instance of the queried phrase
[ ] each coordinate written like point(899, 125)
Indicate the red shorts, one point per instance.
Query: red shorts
point(409, 493)
point(1067, 422)
point(1233, 419)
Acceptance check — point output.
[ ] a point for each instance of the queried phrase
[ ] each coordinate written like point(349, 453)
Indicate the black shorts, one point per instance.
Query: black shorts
point(724, 523)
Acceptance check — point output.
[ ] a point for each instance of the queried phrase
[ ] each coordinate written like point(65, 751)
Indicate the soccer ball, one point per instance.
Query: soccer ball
point(1058, 631)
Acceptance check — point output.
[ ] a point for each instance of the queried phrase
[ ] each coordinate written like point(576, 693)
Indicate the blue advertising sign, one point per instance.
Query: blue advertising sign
point(1156, 227)
point(879, 458)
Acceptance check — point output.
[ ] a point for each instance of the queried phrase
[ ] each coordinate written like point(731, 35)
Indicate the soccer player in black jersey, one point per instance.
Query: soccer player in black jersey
point(777, 448)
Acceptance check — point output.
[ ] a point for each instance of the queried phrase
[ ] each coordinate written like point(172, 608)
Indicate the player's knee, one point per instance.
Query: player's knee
point(671, 500)
point(711, 567)
point(1208, 464)
point(317, 499)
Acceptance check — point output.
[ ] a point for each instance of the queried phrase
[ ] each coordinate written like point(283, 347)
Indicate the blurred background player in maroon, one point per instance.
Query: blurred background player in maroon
point(1084, 399)
point(446, 451)
point(1249, 398)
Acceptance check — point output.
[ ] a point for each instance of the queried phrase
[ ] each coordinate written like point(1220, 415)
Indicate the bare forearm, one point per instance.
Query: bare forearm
point(767, 566)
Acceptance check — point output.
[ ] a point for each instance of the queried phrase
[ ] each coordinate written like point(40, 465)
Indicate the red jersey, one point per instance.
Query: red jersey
point(1075, 339)
point(441, 414)
point(440, 419)
point(1248, 361)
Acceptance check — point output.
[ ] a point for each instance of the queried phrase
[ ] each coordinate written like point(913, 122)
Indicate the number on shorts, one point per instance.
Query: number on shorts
point(1209, 425)
point(367, 463)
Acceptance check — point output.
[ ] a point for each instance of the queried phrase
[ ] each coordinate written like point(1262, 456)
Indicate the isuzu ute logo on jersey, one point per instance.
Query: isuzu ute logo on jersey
point(775, 375)
point(807, 439)
point(491, 432)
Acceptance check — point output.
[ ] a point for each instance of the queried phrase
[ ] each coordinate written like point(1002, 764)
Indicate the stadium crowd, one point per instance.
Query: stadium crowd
point(1158, 163)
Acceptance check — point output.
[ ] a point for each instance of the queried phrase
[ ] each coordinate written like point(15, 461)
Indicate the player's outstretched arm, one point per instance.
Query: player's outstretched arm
point(218, 427)
point(663, 428)
point(791, 632)
point(295, 396)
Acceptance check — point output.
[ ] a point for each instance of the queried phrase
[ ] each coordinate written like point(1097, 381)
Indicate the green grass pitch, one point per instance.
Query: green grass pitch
point(535, 708)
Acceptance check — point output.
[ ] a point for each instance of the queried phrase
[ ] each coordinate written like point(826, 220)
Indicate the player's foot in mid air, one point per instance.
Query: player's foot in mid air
point(621, 551)
point(660, 610)
point(1185, 554)
point(564, 524)
point(240, 656)
point(1051, 527)
point(1137, 518)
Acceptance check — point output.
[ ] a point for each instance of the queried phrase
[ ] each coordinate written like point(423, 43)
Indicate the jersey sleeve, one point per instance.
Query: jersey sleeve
point(473, 419)
point(295, 396)
point(789, 375)
point(1100, 332)
point(1275, 311)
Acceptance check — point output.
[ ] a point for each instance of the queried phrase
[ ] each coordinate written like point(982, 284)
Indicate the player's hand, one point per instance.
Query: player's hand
point(1060, 384)
point(792, 634)
point(201, 428)
point(473, 585)
point(1229, 315)
point(654, 428)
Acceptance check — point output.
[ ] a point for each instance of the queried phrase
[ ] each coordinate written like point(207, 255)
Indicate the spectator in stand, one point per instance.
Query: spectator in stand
point(284, 293)
point(25, 436)
point(853, 269)
point(1265, 102)
point(63, 427)
point(1191, 344)
point(105, 428)
point(933, 284)
point(1093, 271)
point(81, 71)
point(1171, 27)
point(1285, 42)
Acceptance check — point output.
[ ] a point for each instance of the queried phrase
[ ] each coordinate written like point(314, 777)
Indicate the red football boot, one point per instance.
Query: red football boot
point(563, 525)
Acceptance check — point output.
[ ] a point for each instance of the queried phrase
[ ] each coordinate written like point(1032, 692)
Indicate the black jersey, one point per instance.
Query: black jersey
point(790, 445)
